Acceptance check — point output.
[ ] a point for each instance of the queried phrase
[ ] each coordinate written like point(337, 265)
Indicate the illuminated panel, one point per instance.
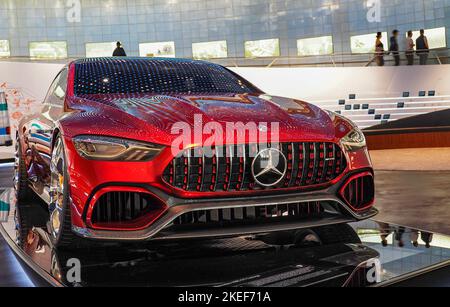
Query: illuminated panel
point(315, 46)
point(4, 48)
point(262, 48)
point(210, 50)
point(366, 43)
point(100, 49)
point(48, 50)
point(436, 37)
point(161, 49)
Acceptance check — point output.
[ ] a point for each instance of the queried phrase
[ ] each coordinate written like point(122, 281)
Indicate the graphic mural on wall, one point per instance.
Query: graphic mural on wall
point(20, 104)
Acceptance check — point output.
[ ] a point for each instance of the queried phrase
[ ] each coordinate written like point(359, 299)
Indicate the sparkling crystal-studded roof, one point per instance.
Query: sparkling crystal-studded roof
point(156, 76)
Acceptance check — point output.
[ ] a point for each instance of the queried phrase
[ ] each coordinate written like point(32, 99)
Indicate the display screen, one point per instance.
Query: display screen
point(366, 43)
point(436, 37)
point(48, 50)
point(262, 48)
point(161, 49)
point(4, 48)
point(315, 46)
point(210, 50)
point(94, 50)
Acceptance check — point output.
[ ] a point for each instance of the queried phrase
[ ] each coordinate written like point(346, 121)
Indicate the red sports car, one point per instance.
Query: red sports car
point(101, 154)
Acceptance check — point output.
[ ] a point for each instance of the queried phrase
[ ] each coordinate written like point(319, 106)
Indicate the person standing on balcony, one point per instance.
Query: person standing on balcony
point(379, 50)
point(410, 48)
point(119, 50)
point(422, 47)
point(394, 48)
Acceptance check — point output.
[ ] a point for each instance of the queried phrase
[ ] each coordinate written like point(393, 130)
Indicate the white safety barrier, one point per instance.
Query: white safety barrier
point(5, 127)
point(4, 212)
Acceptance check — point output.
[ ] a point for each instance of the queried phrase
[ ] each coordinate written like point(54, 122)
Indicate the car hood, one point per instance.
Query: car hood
point(297, 119)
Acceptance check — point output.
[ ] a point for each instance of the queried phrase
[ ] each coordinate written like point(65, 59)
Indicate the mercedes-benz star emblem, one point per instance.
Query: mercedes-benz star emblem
point(269, 167)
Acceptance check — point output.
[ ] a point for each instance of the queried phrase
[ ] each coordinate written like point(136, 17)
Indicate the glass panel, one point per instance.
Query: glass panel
point(315, 46)
point(436, 37)
point(4, 48)
point(163, 49)
point(262, 48)
point(210, 50)
point(366, 43)
point(48, 50)
point(100, 49)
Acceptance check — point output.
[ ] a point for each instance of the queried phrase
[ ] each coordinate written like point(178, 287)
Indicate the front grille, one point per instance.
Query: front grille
point(228, 168)
point(251, 215)
point(123, 207)
point(359, 192)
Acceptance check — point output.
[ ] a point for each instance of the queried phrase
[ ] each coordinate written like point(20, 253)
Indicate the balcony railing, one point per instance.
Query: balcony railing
point(436, 57)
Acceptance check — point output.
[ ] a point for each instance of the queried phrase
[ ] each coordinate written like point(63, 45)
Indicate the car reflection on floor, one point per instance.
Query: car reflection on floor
point(342, 255)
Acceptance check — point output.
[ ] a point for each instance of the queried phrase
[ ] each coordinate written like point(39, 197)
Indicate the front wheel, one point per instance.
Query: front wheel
point(60, 220)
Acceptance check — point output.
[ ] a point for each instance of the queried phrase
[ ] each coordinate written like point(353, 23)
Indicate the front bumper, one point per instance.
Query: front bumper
point(161, 228)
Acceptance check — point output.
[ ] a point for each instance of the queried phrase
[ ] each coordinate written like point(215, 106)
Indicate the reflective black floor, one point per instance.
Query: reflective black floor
point(343, 255)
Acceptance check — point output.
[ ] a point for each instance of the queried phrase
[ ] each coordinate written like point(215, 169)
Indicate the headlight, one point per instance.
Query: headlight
point(115, 149)
point(354, 140)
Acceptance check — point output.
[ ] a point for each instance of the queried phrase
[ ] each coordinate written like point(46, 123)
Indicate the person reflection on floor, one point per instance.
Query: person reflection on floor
point(427, 238)
point(385, 231)
point(414, 237)
point(399, 236)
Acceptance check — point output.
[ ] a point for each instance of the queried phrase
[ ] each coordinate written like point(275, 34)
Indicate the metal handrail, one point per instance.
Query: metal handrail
point(333, 59)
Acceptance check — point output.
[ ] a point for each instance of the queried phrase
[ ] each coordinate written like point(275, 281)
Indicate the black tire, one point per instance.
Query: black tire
point(23, 190)
point(65, 238)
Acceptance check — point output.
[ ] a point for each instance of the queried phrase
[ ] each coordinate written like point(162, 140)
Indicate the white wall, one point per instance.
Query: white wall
point(317, 83)
point(25, 85)
point(32, 78)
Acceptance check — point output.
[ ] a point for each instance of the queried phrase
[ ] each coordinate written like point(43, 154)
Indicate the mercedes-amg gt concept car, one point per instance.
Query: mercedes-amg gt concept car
point(101, 154)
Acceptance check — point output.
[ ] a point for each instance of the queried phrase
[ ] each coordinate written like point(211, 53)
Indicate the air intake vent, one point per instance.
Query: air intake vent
point(359, 192)
point(229, 168)
point(126, 208)
point(251, 215)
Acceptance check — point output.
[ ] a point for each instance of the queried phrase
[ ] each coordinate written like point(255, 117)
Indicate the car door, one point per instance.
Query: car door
point(40, 131)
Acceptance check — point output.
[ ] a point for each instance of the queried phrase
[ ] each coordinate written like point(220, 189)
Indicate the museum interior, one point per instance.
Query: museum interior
point(354, 192)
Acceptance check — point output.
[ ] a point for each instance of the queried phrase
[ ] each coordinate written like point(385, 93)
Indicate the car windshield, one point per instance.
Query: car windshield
point(156, 76)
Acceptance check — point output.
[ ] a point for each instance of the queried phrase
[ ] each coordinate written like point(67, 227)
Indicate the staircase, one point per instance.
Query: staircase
point(368, 112)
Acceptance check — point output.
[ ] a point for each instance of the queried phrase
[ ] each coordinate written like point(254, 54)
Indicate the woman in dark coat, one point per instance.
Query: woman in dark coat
point(379, 50)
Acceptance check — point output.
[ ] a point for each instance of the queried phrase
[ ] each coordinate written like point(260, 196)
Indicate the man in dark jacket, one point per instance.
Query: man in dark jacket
point(394, 48)
point(119, 50)
point(422, 48)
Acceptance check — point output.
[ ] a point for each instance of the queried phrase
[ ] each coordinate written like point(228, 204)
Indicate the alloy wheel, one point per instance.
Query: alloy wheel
point(57, 188)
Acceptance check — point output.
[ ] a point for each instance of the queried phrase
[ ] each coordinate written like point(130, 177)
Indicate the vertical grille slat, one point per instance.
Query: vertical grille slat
point(325, 164)
point(229, 169)
point(316, 163)
point(295, 164)
point(230, 157)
